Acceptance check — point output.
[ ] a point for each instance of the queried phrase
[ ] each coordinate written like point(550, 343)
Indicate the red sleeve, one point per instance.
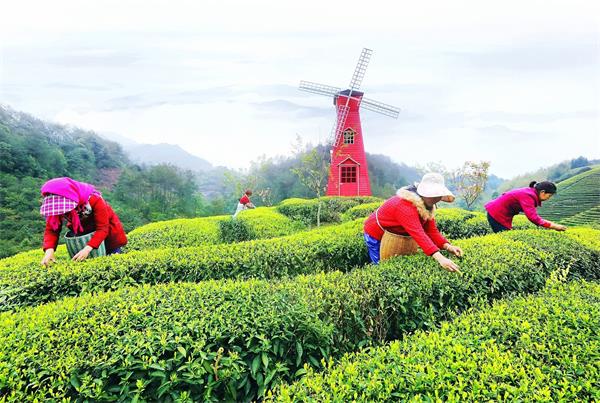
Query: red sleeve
point(51, 237)
point(434, 233)
point(100, 216)
point(412, 224)
point(528, 206)
point(245, 199)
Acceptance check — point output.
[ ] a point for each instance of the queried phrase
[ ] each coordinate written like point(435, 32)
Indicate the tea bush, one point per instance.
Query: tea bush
point(459, 223)
point(360, 211)
point(305, 210)
point(160, 343)
point(23, 282)
point(454, 223)
point(565, 247)
point(176, 233)
point(235, 340)
point(537, 348)
point(586, 236)
point(260, 223)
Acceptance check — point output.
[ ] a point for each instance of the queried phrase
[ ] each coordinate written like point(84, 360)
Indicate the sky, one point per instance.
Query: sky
point(516, 83)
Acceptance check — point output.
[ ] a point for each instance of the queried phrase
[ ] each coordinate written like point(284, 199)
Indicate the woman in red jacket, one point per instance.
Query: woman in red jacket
point(411, 213)
point(81, 207)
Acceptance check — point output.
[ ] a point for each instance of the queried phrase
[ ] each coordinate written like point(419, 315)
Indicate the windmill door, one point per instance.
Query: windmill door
point(349, 173)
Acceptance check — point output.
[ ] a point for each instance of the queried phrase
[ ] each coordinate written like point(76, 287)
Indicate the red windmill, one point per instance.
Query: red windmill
point(348, 173)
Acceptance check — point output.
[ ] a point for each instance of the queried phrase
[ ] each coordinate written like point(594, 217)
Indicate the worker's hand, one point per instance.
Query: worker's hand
point(446, 263)
point(455, 250)
point(558, 227)
point(83, 254)
point(48, 258)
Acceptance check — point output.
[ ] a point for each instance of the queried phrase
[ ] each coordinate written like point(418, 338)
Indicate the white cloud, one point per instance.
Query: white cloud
point(475, 80)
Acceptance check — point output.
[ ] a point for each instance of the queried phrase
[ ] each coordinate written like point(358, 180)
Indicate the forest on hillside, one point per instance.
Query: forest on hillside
point(33, 151)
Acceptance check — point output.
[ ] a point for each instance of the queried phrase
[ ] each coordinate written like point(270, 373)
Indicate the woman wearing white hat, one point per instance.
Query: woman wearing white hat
point(409, 216)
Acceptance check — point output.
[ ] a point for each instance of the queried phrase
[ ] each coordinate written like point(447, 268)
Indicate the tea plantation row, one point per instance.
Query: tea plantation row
point(542, 348)
point(235, 340)
point(23, 282)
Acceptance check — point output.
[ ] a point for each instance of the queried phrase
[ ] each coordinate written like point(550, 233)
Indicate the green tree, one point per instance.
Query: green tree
point(313, 172)
point(470, 180)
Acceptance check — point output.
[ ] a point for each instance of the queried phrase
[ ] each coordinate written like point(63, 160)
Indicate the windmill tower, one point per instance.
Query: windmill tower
point(348, 173)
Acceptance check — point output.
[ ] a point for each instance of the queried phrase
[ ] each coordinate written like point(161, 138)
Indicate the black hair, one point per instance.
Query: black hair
point(546, 186)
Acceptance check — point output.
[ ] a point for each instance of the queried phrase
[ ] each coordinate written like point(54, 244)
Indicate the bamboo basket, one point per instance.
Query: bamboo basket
point(396, 245)
point(77, 243)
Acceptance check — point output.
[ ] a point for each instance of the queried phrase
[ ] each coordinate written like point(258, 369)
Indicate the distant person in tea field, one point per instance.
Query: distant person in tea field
point(244, 203)
point(406, 221)
point(500, 211)
point(81, 207)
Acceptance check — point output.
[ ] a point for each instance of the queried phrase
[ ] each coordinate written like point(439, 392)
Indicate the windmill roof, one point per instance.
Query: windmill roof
point(355, 93)
point(346, 161)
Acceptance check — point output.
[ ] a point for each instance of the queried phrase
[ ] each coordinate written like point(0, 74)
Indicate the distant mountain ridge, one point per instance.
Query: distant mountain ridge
point(163, 153)
point(154, 154)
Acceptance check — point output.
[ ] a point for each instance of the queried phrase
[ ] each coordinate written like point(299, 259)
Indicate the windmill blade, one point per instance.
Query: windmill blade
point(380, 107)
point(339, 125)
point(361, 68)
point(320, 89)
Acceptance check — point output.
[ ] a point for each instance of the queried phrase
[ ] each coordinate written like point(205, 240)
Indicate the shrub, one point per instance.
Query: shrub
point(161, 343)
point(458, 223)
point(536, 348)
point(260, 223)
point(176, 233)
point(233, 230)
point(234, 340)
point(454, 223)
point(305, 210)
point(360, 211)
point(565, 248)
point(23, 282)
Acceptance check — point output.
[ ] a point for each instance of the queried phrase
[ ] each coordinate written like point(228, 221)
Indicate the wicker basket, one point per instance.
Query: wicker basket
point(395, 245)
point(77, 243)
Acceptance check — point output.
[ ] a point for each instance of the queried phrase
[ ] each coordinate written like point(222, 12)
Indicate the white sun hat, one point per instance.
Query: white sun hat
point(432, 185)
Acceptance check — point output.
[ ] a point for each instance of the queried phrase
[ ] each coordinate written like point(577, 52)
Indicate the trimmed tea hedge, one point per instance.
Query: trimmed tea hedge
point(544, 348)
point(159, 343)
point(260, 223)
point(176, 233)
point(563, 247)
point(453, 222)
point(23, 282)
point(305, 210)
point(587, 236)
point(360, 211)
point(234, 340)
point(465, 224)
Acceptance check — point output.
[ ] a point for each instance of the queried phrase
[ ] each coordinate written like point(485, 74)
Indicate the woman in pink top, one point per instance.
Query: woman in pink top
point(500, 211)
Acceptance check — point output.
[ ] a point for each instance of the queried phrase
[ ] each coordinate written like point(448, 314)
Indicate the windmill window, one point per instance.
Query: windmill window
point(348, 175)
point(349, 136)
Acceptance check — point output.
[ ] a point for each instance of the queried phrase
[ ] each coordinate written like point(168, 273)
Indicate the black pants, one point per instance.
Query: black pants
point(496, 226)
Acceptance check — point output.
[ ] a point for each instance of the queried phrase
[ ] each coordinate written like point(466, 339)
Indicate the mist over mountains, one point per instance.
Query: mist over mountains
point(163, 153)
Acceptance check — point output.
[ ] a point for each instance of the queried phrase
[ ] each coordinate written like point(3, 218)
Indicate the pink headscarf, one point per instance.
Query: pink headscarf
point(78, 192)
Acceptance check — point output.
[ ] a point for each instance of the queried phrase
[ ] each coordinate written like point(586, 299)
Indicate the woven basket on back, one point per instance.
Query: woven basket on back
point(77, 243)
point(395, 245)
